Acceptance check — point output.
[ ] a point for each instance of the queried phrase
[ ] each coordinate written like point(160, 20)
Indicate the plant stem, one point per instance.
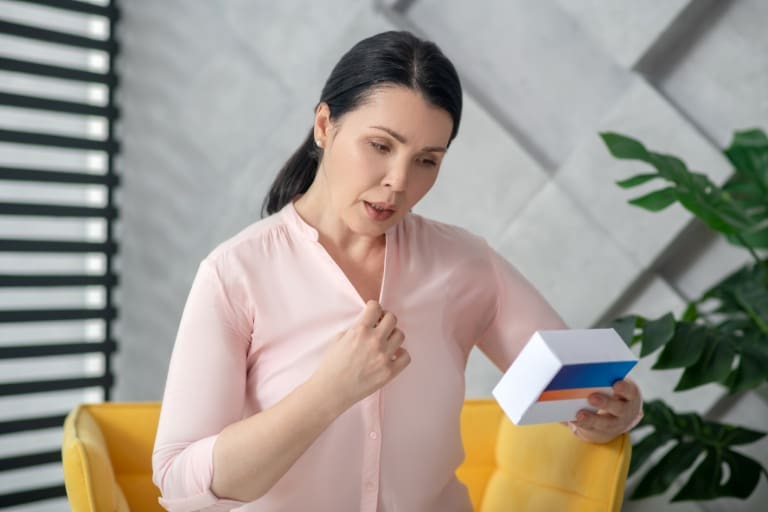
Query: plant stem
point(751, 312)
point(749, 247)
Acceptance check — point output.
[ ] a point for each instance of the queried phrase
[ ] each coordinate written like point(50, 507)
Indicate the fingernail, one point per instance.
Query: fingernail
point(597, 400)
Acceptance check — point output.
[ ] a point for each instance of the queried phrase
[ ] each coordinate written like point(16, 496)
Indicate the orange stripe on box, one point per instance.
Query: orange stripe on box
point(567, 394)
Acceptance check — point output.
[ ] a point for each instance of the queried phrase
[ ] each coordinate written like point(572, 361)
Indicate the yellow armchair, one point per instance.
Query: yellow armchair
point(107, 460)
point(538, 467)
point(107, 457)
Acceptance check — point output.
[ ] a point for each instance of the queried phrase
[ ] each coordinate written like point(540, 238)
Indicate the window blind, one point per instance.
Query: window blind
point(57, 238)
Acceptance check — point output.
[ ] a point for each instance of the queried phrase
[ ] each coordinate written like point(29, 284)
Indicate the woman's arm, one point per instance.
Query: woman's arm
point(357, 362)
point(206, 456)
point(520, 311)
point(250, 456)
point(204, 392)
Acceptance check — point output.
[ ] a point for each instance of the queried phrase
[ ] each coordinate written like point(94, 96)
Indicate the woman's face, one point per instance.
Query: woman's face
point(386, 152)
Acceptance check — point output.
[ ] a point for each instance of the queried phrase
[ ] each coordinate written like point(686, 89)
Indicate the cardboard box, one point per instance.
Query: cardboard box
point(557, 370)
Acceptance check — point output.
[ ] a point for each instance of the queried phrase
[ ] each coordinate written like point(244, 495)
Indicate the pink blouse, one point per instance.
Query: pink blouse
point(260, 312)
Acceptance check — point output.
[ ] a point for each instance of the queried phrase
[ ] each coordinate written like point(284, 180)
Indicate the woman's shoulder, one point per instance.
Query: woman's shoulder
point(257, 237)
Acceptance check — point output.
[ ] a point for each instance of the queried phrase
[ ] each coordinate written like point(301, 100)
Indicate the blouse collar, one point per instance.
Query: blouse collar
point(297, 222)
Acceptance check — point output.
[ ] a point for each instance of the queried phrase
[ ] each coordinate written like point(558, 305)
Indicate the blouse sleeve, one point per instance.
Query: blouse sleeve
point(204, 392)
point(520, 311)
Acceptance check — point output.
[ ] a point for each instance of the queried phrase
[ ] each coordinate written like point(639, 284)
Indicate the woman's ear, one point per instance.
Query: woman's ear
point(322, 126)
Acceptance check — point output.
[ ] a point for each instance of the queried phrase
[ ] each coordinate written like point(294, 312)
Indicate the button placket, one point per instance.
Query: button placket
point(372, 453)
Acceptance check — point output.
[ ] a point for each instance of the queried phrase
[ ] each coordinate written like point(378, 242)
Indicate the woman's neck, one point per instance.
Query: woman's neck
point(333, 233)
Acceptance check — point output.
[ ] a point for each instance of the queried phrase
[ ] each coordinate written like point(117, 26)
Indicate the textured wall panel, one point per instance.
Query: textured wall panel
point(625, 28)
point(217, 95)
point(531, 63)
point(717, 73)
point(571, 261)
point(591, 172)
point(485, 179)
point(695, 266)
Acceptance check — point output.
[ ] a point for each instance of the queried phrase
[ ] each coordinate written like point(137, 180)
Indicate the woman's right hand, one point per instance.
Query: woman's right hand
point(363, 358)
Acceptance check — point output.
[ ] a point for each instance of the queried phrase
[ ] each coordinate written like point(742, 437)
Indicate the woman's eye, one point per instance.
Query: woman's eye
point(381, 148)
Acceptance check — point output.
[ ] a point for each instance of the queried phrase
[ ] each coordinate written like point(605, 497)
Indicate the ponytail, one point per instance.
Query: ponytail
point(294, 178)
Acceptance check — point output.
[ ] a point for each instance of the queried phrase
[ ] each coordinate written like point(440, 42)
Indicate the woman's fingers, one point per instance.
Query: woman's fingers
point(386, 325)
point(371, 314)
point(592, 421)
point(374, 317)
point(611, 405)
point(615, 412)
point(626, 389)
point(399, 360)
point(393, 343)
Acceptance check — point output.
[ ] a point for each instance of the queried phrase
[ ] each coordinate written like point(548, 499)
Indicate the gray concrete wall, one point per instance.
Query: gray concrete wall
point(217, 95)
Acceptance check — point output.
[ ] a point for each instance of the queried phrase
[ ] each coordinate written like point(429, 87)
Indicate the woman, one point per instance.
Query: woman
point(319, 362)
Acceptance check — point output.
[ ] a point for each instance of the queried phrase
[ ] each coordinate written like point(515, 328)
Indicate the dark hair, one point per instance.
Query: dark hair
point(388, 58)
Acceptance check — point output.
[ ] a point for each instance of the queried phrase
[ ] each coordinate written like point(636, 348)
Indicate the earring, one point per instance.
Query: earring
point(317, 143)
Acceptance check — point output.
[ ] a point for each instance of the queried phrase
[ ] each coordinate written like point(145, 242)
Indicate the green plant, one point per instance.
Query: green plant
point(721, 337)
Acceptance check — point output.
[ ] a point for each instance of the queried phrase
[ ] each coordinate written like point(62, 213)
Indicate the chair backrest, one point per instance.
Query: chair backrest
point(538, 467)
point(107, 457)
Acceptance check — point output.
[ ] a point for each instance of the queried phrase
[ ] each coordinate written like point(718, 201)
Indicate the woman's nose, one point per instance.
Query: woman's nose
point(397, 177)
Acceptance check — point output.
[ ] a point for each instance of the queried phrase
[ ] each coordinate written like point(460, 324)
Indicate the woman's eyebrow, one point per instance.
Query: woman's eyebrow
point(404, 141)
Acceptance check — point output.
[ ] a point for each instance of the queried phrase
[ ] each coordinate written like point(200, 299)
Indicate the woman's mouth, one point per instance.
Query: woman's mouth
point(376, 212)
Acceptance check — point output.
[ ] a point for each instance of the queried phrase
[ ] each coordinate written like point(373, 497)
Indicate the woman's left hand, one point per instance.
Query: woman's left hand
point(616, 414)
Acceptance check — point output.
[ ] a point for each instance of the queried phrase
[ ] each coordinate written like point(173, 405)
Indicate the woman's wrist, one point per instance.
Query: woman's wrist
point(330, 402)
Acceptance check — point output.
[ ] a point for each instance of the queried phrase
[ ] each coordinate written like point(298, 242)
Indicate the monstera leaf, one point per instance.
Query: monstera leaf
point(690, 437)
point(707, 343)
point(739, 209)
point(721, 337)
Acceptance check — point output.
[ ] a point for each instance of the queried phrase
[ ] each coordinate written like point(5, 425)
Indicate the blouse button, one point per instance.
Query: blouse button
point(373, 435)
